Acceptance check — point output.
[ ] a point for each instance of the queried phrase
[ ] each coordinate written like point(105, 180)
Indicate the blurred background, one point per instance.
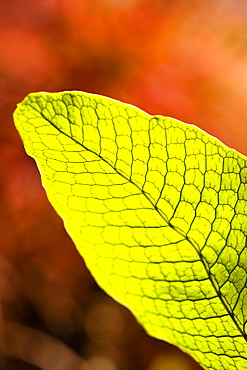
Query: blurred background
point(185, 59)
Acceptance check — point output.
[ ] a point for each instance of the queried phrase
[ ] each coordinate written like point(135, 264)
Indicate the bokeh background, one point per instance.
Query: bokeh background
point(185, 59)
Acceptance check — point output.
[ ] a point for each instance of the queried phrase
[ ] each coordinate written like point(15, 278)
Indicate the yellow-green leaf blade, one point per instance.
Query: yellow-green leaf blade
point(158, 210)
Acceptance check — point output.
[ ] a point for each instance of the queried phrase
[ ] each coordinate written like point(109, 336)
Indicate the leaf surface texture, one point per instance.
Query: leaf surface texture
point(158, 210)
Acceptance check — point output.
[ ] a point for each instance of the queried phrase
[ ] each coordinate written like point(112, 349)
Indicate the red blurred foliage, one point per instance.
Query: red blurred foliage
point(182, 58)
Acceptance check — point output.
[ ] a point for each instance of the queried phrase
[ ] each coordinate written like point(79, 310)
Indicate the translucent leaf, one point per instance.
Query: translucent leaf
point(158, 210)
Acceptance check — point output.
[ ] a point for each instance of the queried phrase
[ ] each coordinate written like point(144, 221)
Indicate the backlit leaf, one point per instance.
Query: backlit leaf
point(158, 210)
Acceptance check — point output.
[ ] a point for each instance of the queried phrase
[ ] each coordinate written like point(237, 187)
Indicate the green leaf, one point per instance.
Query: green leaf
point(158, 210)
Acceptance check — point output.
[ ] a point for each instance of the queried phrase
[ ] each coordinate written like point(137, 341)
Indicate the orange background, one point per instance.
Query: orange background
point(185, 59)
